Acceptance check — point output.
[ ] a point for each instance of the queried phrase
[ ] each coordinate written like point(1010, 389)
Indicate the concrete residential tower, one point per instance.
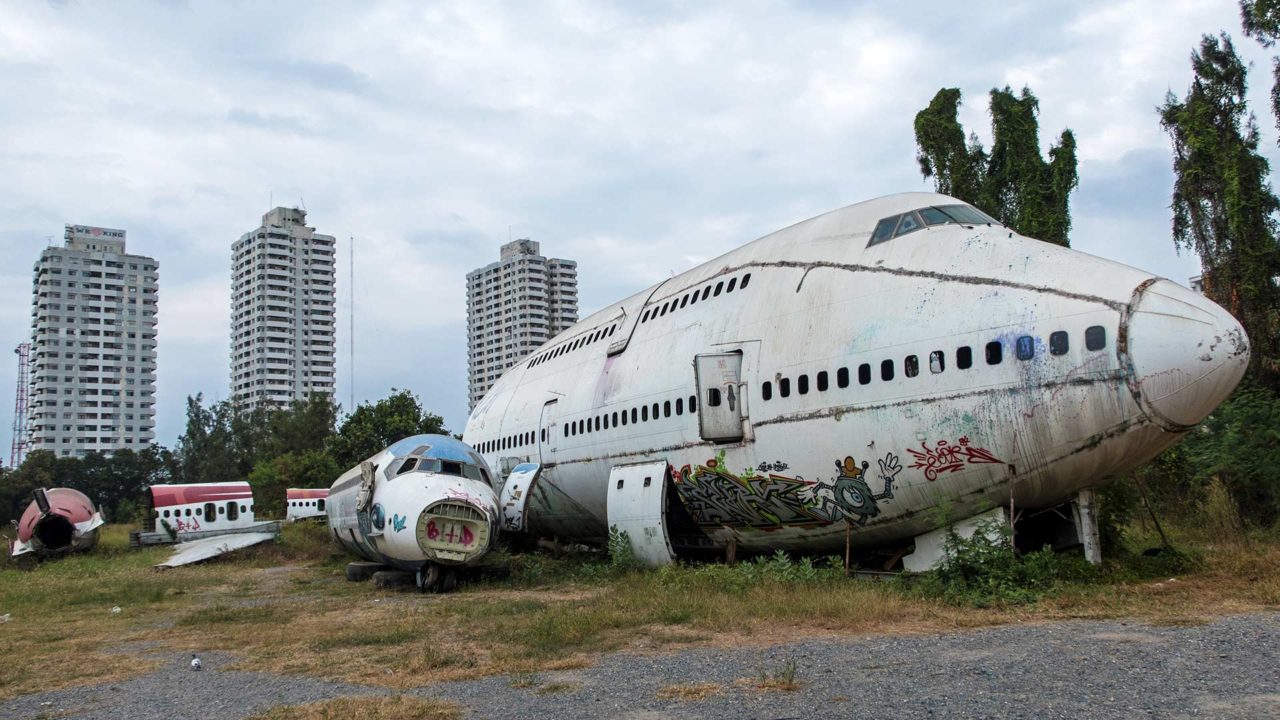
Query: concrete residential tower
point(513, 307)
point(93, 339)
point(282, 312)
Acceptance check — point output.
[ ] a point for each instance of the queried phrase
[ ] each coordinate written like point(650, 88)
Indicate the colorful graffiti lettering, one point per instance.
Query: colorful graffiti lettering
point(715, 496)
point(398, 521)
point(191, 525)
point(777, 466)
point(945, 457)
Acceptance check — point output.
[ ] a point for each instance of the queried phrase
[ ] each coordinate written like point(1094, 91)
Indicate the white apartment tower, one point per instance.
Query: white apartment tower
point(282, 312)
point(513, 307)
point(93, 346)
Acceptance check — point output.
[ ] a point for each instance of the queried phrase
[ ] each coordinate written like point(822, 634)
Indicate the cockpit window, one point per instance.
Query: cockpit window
point(896, 225)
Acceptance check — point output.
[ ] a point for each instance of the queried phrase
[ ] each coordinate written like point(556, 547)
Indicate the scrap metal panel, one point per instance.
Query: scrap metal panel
point(637, 505)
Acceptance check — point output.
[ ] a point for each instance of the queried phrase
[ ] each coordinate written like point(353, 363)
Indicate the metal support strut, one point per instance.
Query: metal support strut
point(1087, 524)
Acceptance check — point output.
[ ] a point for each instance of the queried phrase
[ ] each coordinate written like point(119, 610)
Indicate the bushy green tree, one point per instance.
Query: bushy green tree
point(373, 427)
point(300, 468)
point(1013, 183)
point(1223, 206)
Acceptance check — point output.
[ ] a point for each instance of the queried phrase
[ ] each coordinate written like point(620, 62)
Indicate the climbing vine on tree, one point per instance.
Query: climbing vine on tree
point(1013, 183)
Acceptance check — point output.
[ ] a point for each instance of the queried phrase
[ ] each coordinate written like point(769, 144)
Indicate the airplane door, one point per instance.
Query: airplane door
point(515, 495)
point(547, 433)
point(720, 401)
point(637, 505)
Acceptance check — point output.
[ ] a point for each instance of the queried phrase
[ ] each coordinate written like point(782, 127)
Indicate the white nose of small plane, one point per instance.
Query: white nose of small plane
point(1187, 354)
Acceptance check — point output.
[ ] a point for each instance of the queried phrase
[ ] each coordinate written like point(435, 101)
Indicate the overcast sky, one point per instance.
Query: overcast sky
point(636, 138)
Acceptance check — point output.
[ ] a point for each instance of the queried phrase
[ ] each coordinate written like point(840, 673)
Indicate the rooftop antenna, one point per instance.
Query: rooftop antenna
point(303, 203)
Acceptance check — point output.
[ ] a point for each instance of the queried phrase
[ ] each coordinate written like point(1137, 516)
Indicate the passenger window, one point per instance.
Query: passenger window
point(766, 390)
point(233, 512)
point(864, 374)
point(644, 413)
point(746, 279)
point(713, 397)
point(679, 406)
point(884, 230)
point(719, 287)
point(694, 296)
point(606, 421)
point(1026, 347)
point(644, 317)
point(964, 357)
point(654, 413)
point(597, 423)
point(1095, 337)
point(706, 291)
point(732, 283)
point(822, 381)
point(995, 352)
point(911, 365)
point(663, 311)
point(886, 370)
point(693, 403)
point(802, 384)
point(842, 377)
point(666, 408)
point(684, 300)
point(784, 387)
point(910, 222)
point(615, 419)
point(633, 416)
point(1058, 343)
point(937, 362)
point(624, 417)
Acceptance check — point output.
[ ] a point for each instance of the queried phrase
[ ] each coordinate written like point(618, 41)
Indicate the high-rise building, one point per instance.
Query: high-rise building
point(93, 346)
point(282, 312)
point(513, 307)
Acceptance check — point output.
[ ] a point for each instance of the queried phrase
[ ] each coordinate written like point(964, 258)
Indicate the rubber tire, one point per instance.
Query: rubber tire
point(449, 582)
point(429, 577)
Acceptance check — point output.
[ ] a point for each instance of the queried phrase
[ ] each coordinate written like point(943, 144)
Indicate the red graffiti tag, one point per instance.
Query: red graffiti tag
point(946, 457)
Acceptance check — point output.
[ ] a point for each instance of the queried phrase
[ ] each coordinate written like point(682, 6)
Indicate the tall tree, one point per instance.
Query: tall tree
point(373, 427)
point(1223, 207)
point(1261, 20)
point(1013, 183)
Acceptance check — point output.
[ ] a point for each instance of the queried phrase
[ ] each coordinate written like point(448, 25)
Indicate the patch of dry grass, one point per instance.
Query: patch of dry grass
point(690, 692)
point(398, 707)
point(552, 688)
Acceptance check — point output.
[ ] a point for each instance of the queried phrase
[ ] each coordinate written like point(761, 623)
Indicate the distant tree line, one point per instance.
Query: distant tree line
point(301, 445)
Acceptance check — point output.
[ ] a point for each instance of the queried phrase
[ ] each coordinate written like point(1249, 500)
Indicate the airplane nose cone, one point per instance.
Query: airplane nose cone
point(1186, 353)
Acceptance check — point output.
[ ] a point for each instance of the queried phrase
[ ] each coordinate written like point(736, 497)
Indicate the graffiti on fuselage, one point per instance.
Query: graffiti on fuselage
point(716, 496)
point(945, 457)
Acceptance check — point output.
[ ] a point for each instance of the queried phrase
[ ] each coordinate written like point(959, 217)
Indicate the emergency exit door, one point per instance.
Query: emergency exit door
point(720, 401)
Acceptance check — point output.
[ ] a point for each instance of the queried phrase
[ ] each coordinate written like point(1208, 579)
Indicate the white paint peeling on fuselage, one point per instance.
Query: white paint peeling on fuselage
point(820, 300)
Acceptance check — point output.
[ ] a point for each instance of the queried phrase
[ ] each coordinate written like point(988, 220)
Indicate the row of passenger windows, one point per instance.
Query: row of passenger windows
point(1095, 338)
point(691, 298)
point(209, 511)
point(634, 416)
point(582, 341)
point(317, 504)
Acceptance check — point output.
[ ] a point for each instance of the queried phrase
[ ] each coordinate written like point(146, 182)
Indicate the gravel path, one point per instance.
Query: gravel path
point(1078, 669)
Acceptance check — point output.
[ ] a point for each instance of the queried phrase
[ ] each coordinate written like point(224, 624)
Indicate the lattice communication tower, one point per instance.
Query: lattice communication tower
point(19, 448)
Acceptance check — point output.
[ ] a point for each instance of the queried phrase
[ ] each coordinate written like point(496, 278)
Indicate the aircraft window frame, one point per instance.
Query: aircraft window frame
point(719, 288)
point(679, 406)
point(886, 370)
point(766, 391)
point(964, 357)
point(842, 378)
point(633, 416)
point(784, 387)
point(733, 282)
point(713, 397)
point(624, 418)
point(684, 300)
point(644, 412)
point(693, 300)
point(864, 374)
point(1059, 342)
point(693, 404)
point(822, 381)
point(911, 365)
point(745, 279)
point(883, 231)
point(802, 384)
point(666, 408)
point(1025, 347)
point(902, 229)
point(606, 421)
point(994, 352)
point(615, 418)
point(706, 291)
point(1095, 338)
point(937, 362)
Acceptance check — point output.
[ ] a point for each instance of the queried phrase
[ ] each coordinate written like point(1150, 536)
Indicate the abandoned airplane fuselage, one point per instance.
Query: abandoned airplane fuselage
point(425, 503)
point(852, 373)
point(57, 521)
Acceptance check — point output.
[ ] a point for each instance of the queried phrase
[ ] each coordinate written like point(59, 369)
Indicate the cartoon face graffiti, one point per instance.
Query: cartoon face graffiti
point(849, 496)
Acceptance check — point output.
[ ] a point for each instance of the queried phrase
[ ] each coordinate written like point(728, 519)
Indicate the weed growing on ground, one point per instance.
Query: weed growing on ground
point(690, 692)
point(984, 569)
point(781, 680)
point(399, 707)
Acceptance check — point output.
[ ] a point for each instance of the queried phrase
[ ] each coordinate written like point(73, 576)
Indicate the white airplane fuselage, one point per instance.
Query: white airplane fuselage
point(837, 383)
